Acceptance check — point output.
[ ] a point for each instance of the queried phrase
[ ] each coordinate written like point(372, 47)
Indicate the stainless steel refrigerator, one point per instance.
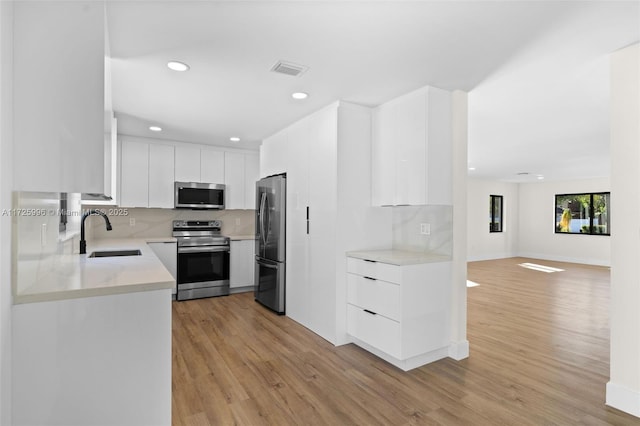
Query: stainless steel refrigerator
point(270, 265)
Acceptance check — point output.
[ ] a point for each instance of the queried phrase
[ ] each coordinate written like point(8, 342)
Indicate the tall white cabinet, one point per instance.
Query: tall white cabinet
point(412, 149)
point(327, 160)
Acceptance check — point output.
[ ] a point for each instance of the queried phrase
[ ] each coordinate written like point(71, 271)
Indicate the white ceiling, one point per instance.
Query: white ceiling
point(537, 72)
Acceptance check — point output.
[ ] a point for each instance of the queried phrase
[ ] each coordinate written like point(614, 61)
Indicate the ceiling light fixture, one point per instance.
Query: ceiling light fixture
point(178, 66)
point(472, 168)
point(299, 95)
point(234, 139)
point(540, 177)
point(155, 128)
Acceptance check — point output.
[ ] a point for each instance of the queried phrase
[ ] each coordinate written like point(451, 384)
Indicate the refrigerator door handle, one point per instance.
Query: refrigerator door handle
point(263, 200)
point(267, 265)
point(267, 218)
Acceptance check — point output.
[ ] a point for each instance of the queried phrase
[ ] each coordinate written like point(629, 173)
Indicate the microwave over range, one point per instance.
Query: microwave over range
point(198, 195)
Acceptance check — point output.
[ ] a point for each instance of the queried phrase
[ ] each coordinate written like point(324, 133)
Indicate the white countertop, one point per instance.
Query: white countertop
point(399, 257)
point(69, 276)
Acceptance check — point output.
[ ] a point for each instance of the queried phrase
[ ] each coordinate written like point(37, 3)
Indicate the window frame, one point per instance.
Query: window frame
point(591, 213)
point(492, 209)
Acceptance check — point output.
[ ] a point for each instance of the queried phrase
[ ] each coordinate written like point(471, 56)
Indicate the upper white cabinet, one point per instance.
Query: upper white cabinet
point(187, 164)
point(161, 158)
point(412, 149)
point(273, 154)
point(240, 176)
point(58, 96)
point(251, 176)
point(134, 174)
point(146, 174)
point(234, 180)
point(148, 171)
point(212, 166)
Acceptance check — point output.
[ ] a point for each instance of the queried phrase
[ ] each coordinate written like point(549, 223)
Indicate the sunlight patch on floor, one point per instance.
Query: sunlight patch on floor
point(541, 268)
point(472, 284)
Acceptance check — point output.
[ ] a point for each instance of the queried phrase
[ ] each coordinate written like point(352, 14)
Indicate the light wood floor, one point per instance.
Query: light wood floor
point(539, 356)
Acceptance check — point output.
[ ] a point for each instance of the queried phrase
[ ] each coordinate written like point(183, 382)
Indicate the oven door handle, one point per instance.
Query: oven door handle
point(203, 249)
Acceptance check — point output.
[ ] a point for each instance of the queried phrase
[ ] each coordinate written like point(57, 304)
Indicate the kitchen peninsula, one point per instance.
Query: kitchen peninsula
point(92, 335)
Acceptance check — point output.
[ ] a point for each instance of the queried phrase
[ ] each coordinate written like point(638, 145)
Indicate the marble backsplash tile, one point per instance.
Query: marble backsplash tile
point(151, 223)
point(406, 229)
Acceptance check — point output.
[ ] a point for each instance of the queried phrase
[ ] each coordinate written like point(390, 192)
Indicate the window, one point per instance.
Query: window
point(583, 213)
point(495, 213)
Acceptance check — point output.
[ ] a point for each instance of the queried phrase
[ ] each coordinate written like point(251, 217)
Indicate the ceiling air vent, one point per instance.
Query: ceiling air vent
point(289, 68)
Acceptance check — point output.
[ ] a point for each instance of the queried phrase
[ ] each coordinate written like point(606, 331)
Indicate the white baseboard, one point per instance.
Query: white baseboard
point(623, 398)
point(586, 261)
point(459, 350)
point(494, 256)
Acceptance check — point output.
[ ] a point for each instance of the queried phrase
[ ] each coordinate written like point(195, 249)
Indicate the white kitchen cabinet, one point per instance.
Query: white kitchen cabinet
point(327, 162)
point(234, 180)
point(212, 166)
point(93, 360)
point(298, 286)
point(241, 265)
point(167, 252)
point(274, 153)
point(412, 149)
point(161, 192)
point(187, 164)
point(251, 176)
point(399, 313)
point(58, 96)
point(134, 174)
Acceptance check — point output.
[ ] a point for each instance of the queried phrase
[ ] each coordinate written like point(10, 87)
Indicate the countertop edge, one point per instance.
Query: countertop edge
point(399, 257)
point(91, 292)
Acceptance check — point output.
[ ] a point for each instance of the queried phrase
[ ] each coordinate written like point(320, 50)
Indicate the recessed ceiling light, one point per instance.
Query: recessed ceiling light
point(234, 139)
point(178, 66)
point(540, 177)
point(299, 95)
point(472, 168)
point(155, 128)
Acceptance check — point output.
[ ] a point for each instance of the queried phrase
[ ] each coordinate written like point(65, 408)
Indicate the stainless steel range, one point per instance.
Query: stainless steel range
point(203, 259)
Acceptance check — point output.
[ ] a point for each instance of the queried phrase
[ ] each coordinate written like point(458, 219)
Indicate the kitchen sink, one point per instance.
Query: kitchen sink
point(113, 253)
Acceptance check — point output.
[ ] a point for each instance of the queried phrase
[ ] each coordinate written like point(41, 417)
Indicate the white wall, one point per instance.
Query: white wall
point(6, 172)
point(536, 232)
point(623, 389)
point(482, 244)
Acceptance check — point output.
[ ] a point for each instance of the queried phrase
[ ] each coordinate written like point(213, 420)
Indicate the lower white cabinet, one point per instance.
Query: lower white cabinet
point(399, 313)
point(167, 252)
point(93, 360)
point(242, 260)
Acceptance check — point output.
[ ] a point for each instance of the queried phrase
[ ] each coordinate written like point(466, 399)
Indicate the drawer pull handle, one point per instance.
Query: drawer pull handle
point(370, 312)
point(367, 260)
point(369, 278)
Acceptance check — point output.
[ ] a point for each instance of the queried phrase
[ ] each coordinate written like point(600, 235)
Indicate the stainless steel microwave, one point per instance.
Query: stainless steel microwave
point(197, 195)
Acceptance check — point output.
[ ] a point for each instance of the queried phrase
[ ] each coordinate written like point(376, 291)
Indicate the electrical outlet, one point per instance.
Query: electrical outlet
point(425, 229)
point(132, 221)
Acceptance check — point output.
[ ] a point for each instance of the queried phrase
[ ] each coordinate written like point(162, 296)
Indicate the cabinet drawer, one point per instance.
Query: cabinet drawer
point(376, 330)
point(375, 295)
point(378, 270)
